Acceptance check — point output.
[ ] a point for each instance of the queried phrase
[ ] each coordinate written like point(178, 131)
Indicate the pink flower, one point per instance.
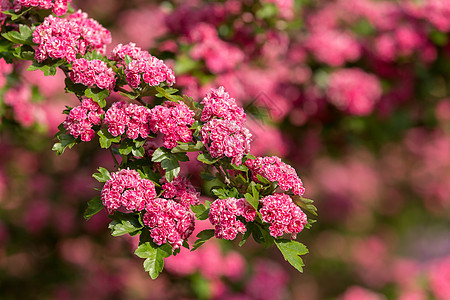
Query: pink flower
point(218, 103)
point(283, 215)
point(81, 118)
point(226, 138)
point(128, 190)
point(223, 215)
point(59, 7)
point(169, 222)
point(273, 169)
point(93, 72)
point(181, 190)
point(354, 91)
point(440, 279)
point(173, 121)
point(124, 117)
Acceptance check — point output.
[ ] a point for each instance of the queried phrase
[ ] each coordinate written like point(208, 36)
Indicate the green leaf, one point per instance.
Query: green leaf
point(254, 202)
point(138, 152)
point(77, 88)
point(201, 211)
point(261, 235)
point(24, 53)
point(128, 59)
point(203, 236)
point(188, 147)
point(291, 251)
point(23, 37)
point(207, 176)
point(262, 179)
point(309, 223)
point(154, 255)
point(107, 138)
point(103, 176)
point(48, 68)
point(305, 204)
point(220, 193)
point(66, 140)
point(206, 158)
point(245, 237)
point(125, 147)
point(169, 161)
point(95, 205)
point(125, 223)
point(98, 95)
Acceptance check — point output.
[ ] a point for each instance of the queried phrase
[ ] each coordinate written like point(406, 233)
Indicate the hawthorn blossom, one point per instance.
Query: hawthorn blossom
point(218, 103)
point(273, 169)
point(151, 70)
point(168, 221)
point(226, 138)
point(283, 215)
point(181, 190)
point(126, 189)
point(124, 117)
point(59, 7)
point(65, 38)
point(223, 215)
point(81, 118)
point(93, 72)
point(354, 91)
point(121, 51)
point(437, 12)
point(173, 121)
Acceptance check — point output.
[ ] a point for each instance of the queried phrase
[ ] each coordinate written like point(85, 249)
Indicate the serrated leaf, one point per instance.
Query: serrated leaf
point(76, 88)
point(305, 204)
point(138, 152)
point(207, 159)
point(261, 235)
point(254, 202)
point(154, 255)
point(98, 95)
point(103, 175)
point(220, 193)
point(48, 68)
point(291, 251)
point(95, 205)
point(203, 236)
point(188, 148)
point(66, 140)
point(126, 146)
point(169, 162)
point(125, 223)
point(201, 212)
point(106, 138)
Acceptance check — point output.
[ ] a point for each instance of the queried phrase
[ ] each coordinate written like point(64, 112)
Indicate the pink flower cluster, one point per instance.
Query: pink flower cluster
point(152, 70)
point(440, 279)
point(181, 190)
point(59, 7)
point(437, 12)
point(283, 215)
point(273, 169)
point(120, 51)
point(354, 91)
point(81, 118)
point(25, 111)
point(93, 72)
point(132, 118)
point(128, 190)
point(65, 38)
point(226, 138)
point(333, 47)
point(169, 221)
point(223, 215)
point(218, 103)
point(210, 47)
point(173, 121)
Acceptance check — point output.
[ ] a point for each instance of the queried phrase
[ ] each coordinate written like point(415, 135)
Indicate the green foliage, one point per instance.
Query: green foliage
point(203, 236)
point(168, 93)
point(48, 67)
point(201, 212)
point(106, 138)
point(154, 257)
point(169, 161)
point(65, 140)
point(22, 37)
point(95, 205)
point(125, 223)
point(103, 175)
point(305, 204)
point(206, 158)
point(188, 147)
point(15, 16)
point(98, 95)
point(224, 193)
point(291, 251)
